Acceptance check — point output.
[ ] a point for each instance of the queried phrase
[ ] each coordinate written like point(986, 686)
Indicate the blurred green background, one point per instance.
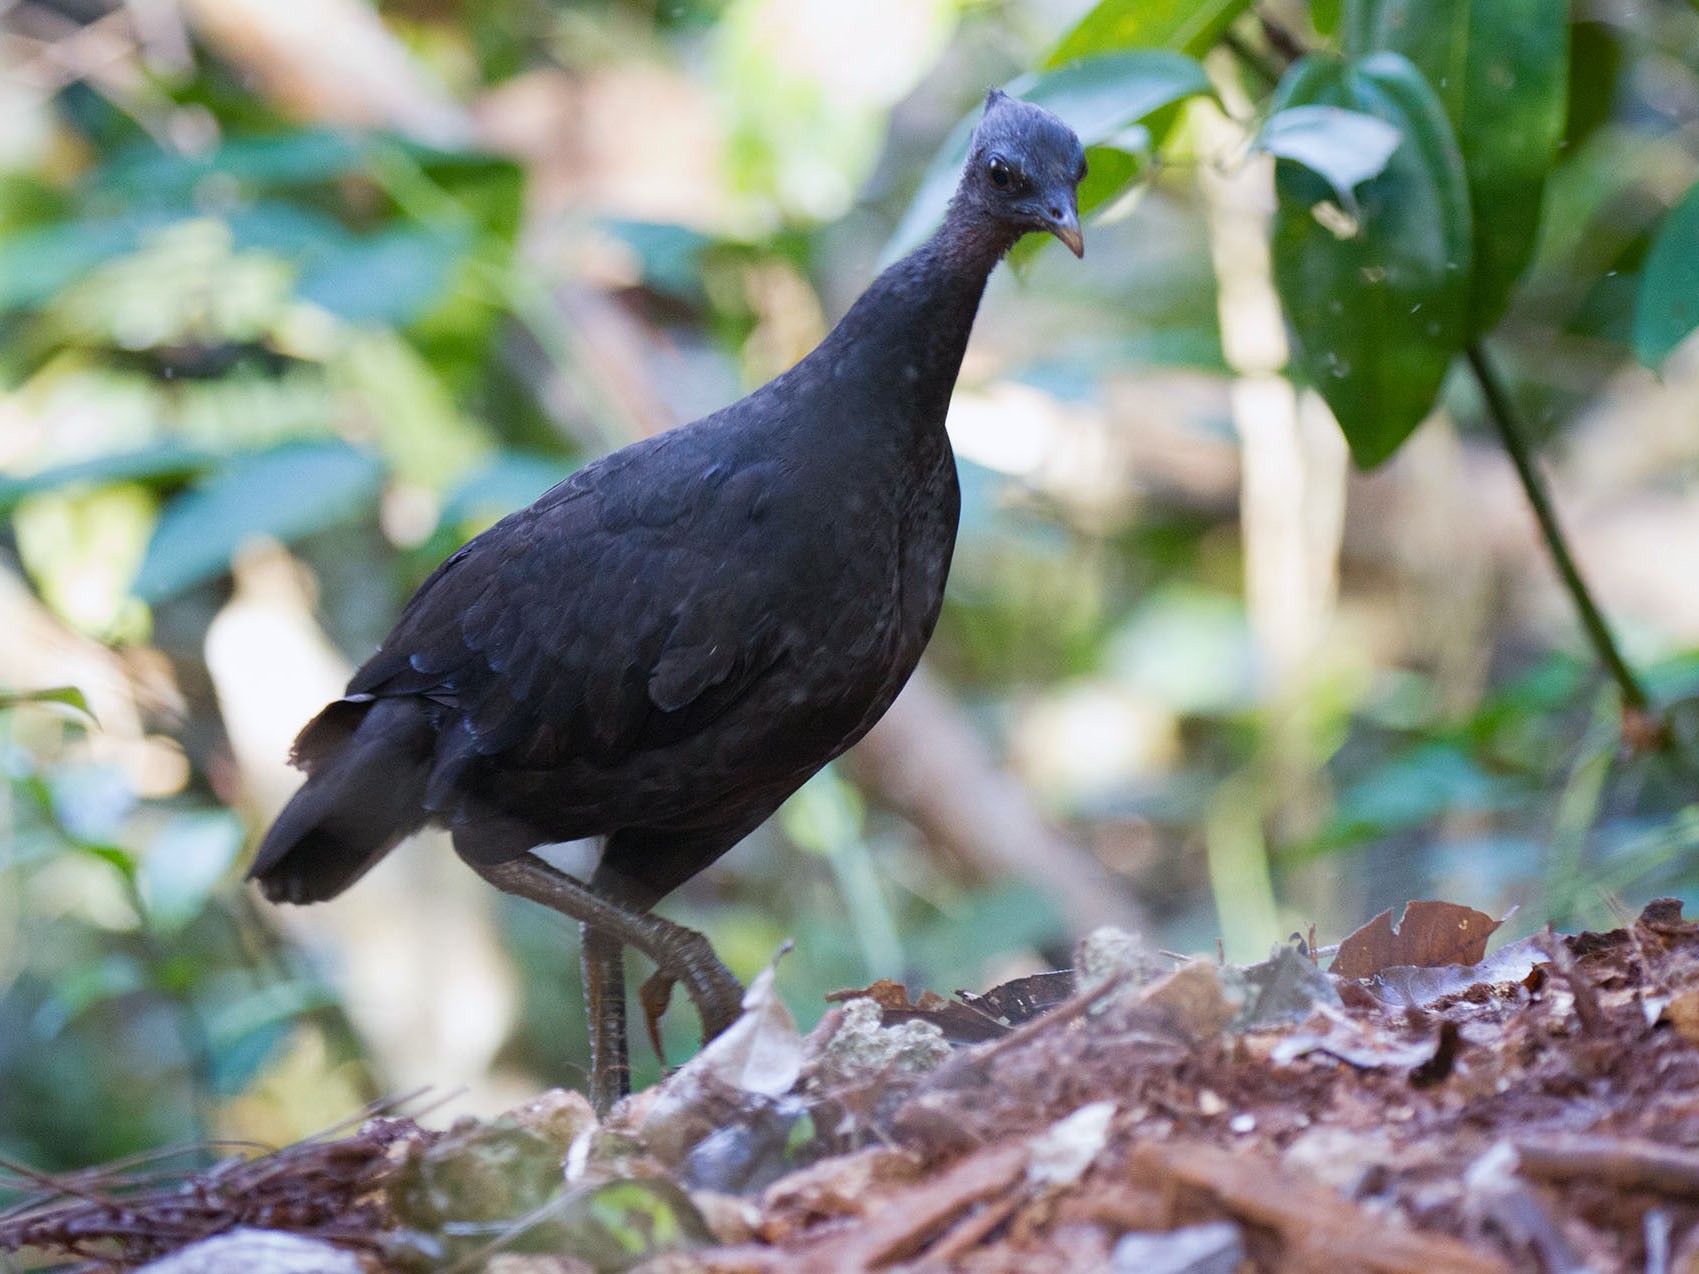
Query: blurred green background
point(295, 298)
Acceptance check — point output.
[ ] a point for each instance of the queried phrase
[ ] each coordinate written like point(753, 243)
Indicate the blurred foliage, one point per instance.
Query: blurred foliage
point(227, 321)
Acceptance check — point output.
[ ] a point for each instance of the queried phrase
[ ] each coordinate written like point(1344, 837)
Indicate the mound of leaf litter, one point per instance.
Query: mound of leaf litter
point(1415, 1108)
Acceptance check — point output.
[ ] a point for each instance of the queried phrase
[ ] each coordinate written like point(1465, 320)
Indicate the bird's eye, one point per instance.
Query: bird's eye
point(1002, 176)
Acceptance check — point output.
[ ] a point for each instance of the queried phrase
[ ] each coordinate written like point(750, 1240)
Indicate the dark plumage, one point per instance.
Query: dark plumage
point(668, 643)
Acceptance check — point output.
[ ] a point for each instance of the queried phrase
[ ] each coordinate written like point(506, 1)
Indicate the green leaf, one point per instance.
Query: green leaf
point(1668, 306)
point(1098, 98)
point(161, 464)
point(624, 1223)
point(1501, 70)
point(287, 492)
point(86, 986)
point(297, 158)
point(184, 863)
point(70, 696)
point(389, 278)
point(1188, 26)
point(1345, 147)
point(1376, 298)
point(39, 262)
point(248, 1024)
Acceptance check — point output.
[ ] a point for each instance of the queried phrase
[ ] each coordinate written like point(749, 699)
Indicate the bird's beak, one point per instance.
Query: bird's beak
point(1066, 227)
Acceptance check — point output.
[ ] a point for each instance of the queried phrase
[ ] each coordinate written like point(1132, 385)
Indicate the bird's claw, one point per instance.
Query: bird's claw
point(654, 995)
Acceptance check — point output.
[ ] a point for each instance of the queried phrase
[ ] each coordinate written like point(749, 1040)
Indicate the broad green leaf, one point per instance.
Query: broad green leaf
point(1668, 306)
point(389, 278)
point(161, 464)
point(1598, 60)
point(286, 493)
point(1187, 26)
point(1098, 98)
point(38, 262)
point(1345, 147)
point(70, 696)
point(184, 863)
point(1501, 70)
point(304, 157)
point(1377, 297)
point(247, 1025)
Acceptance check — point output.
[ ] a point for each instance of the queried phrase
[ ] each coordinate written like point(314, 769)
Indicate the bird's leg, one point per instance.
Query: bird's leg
point(604, 1002)
point(681, 954)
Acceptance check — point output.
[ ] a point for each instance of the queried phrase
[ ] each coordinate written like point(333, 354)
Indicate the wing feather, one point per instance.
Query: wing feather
point(609, 617)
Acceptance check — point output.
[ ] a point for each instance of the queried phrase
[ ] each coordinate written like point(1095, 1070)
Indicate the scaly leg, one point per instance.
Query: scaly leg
point(604, 1007)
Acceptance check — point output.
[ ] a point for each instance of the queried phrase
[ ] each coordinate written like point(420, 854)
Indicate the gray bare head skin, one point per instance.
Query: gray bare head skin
point(1023, 170)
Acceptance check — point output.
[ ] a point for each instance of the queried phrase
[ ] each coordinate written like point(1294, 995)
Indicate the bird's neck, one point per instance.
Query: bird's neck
point(907, 333)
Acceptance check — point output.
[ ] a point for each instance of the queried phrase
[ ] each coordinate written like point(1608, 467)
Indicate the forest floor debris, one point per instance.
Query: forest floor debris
point(1535, 1109)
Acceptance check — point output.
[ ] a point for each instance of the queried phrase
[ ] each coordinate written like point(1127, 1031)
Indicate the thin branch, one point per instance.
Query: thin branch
point(1503, 417)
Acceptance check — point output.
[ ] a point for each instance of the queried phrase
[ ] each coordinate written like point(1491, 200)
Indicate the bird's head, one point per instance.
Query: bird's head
point(1023, 169)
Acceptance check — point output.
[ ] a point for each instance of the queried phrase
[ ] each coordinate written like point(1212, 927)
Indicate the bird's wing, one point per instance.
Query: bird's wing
point(619, 612)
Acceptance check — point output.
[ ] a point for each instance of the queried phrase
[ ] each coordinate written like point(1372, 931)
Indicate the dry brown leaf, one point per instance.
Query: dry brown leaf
point(1191, 1001)
point(1360, 1045)
point(1022, 999)
point(1429, 934)
point(1682, 1012)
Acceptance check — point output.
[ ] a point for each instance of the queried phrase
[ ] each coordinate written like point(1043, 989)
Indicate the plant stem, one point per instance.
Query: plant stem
point(1503, 416)
point(1259, 64)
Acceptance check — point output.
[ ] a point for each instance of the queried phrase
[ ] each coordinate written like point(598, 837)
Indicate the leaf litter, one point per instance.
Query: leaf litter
point(1436, 1108)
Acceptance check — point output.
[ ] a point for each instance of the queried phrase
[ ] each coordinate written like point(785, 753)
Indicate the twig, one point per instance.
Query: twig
point(1503, 417)
point(1622, 1162)
point(1587, 1006)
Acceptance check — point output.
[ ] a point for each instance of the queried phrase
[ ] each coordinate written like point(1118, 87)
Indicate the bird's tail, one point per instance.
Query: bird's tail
point(367, 764)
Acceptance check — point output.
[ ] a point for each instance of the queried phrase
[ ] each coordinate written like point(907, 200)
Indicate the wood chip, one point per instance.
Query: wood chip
point(903, 1227)
point(1309, 1217)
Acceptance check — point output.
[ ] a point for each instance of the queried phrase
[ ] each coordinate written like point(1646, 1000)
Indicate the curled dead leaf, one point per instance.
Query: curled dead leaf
point(1428, 934)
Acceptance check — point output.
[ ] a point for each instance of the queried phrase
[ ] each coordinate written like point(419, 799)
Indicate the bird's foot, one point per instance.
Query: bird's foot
point(681, 956)
point(690, 960)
